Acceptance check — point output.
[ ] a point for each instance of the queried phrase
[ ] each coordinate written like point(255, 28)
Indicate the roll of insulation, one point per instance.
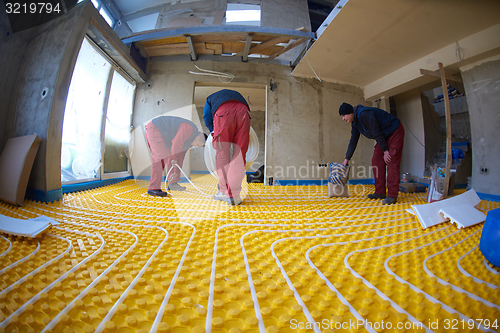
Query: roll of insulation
point(252, 153)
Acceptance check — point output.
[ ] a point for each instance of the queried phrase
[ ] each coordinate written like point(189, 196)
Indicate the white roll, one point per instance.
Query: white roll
point(252, 153)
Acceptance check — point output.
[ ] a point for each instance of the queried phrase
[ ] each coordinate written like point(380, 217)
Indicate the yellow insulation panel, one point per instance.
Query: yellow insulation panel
point(288, 259)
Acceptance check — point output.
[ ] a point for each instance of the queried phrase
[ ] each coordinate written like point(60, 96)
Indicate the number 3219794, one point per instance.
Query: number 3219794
point(32, 8)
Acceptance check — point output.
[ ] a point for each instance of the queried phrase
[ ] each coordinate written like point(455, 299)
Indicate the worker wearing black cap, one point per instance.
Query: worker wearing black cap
point(386, 129)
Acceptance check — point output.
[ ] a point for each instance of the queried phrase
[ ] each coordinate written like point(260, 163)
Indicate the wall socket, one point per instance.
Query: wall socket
point(484, 170)
point(322, 165)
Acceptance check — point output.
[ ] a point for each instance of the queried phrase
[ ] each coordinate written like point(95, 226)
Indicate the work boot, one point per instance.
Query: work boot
point(157, 193)
point(375, 196)
point(219, 196)
point(389, 201)
point(176, 187)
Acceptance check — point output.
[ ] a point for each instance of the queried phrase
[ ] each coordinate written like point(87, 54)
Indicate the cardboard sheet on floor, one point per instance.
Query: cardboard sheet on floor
point(25, 228)
point(16, 162)
point(430, 214)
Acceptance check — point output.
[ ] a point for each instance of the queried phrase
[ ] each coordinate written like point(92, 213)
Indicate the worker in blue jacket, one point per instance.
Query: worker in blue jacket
point(226, 115)
point(386, 129)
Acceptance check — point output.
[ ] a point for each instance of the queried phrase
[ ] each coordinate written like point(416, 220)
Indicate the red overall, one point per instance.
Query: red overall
point(160, 153)
point(231, 128)
point(395, 144)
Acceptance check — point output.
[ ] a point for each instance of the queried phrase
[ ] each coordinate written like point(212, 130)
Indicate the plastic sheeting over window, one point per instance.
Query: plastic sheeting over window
point(118, 120)
point(82, 126)
point(242, 14)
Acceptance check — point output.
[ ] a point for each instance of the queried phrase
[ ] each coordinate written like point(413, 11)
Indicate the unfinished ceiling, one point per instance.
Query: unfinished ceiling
point(366, 40)
point(378, 46)
point(264, 42)
point(217, 40)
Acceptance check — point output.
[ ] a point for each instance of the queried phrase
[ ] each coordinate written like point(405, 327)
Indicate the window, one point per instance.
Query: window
point(105, 12)
point(97, 119)
point(106, 17)
point(242, 14)
point(147, 22)
point(118, 121)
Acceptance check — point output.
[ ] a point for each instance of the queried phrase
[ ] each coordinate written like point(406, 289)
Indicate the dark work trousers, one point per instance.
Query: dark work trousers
point(395, 143)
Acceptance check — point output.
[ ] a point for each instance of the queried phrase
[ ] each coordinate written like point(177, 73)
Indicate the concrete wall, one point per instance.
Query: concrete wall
point(45, 64)
point(303, 125)
point(482, 83)
point(289, 14)
point(12, 46)
point(205, 10)
point(39, 60)
point(259, 126)
point(409, 111)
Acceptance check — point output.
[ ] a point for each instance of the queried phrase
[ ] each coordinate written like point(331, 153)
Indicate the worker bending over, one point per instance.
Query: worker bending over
point(169, 138)
point(227, 117)
point(375, 123)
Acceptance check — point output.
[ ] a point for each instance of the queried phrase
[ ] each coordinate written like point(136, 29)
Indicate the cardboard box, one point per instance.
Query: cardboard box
point(16, 162)
point(411, 188)
point(424, 180)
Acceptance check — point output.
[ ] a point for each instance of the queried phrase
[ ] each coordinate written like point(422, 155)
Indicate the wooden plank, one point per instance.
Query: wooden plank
point(167, 50)
point(201, 48)
point(448, 130)
point(212, 39)
point(204, 48)
point(217, 47)
point(221, 30)
point(228, 48)
point(264, 45)
point(263, 38)
point(164, 41)
point(229, 37)
point(178, 49)
point(288, 47)
point(219, 38)
point(438, 74)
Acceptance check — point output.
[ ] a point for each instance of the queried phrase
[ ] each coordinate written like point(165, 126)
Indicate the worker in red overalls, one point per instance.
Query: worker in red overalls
point(227, 117)
point(169, 138)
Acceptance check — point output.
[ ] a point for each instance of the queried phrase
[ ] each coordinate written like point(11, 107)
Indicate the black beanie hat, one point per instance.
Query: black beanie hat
point(345, 109)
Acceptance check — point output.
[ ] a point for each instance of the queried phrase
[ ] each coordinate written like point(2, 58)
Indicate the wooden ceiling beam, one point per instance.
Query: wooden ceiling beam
point(164, 41)
point(179, 49)
point(264, 45)
point(288, 48)
point(219, 30)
